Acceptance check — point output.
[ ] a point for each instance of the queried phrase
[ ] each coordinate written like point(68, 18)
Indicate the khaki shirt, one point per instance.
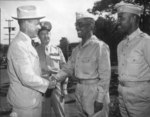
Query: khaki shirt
point(51, 60)
point(90, 61)
point(134, 57)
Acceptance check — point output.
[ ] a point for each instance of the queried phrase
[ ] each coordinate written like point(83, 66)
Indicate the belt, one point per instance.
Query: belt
point(133, 83)
point(87, 81)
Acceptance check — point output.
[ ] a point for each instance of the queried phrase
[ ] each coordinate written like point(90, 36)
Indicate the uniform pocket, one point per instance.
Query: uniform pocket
point(88, 65)
point(135, 95)
point(134, 64)
point(88, 59)
point(146, 91)
point(134, 58)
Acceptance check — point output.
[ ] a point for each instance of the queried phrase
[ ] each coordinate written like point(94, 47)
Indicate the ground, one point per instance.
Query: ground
point(5, 108)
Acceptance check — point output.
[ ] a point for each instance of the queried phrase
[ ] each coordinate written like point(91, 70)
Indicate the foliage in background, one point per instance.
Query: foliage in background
point(108, 6)
point(106, 30)
point(106, 25)
point(64, 43)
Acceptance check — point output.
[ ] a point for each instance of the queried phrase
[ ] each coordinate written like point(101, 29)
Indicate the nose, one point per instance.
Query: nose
point(47, 36)
point(77, 28)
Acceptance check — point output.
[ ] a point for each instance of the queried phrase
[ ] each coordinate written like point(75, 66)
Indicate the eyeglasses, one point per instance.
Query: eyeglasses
point(81, 24)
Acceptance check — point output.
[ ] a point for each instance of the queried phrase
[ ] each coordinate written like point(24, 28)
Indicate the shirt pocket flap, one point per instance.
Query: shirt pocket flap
point(55, 57)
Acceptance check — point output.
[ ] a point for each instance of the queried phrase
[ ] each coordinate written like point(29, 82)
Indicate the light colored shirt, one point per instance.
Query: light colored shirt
point(51, 60)
point(90, 61)
point(134, 57)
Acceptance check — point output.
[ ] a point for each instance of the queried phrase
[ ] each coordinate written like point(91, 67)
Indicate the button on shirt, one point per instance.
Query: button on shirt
point(134, 57)
point(90, 61)
point(51, 60)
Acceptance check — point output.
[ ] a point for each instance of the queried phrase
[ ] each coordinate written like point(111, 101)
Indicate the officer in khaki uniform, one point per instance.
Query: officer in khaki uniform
point(51, 60)
point(26, 84)
point(134, 63)
point(90, 63)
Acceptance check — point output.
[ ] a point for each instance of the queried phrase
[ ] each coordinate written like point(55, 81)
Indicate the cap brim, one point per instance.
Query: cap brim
point(16, 18)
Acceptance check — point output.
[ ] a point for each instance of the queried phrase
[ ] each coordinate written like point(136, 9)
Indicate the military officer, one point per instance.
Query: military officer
point(90, 63)
point(51, 61)
point(134, 63)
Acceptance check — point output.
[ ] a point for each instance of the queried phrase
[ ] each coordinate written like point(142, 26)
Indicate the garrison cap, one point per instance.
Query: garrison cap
point(129, 8)
point(82, 15)
point(45, 25)
point(85, 17)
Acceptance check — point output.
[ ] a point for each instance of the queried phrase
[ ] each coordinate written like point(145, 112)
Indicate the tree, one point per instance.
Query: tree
point(108, 6)
point(106, 26)
point(104, 5)
point(64, 43)
point(105, 29)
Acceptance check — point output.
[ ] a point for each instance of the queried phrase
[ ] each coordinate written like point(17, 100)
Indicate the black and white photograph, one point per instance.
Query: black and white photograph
point(74, 58)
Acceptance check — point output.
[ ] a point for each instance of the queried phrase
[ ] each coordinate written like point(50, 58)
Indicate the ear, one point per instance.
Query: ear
point(133, 18)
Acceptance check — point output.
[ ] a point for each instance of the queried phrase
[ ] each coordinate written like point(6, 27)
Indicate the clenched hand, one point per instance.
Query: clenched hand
point(98, 106)
point(52, 83)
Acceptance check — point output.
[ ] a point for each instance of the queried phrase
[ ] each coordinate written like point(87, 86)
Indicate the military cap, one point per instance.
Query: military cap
point(81, 15)
point(129, 8)
point(45, 25)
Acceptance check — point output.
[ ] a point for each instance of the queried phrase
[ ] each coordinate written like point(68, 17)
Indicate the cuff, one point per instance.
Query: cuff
point(45, 86)
point(100, 97)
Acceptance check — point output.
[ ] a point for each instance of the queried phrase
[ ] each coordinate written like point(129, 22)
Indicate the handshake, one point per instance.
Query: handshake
point(49, 75)
point(52, 82)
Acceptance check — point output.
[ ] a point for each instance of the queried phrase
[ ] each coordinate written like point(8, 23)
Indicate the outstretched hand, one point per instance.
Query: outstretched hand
point(52, 82)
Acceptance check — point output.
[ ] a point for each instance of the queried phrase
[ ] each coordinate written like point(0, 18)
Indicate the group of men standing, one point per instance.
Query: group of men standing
point(35, 70)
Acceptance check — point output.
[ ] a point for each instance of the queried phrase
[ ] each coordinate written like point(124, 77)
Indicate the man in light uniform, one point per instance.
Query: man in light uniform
point(26, 84)
point(51, 60)
point(90, 63)
point(134, 63)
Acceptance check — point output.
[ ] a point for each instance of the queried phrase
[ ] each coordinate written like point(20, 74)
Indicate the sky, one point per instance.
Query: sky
point(61, 13)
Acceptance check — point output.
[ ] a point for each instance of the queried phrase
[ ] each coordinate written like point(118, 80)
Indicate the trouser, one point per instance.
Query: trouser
point(27, 112)
point(85, 96)
point(134, 101)
point(53, 103)
point(57, 102)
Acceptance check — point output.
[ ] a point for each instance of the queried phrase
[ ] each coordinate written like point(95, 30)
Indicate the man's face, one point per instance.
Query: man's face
point(33, 27)
point(124, 22)
point(82, 28)
point(44, 36)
